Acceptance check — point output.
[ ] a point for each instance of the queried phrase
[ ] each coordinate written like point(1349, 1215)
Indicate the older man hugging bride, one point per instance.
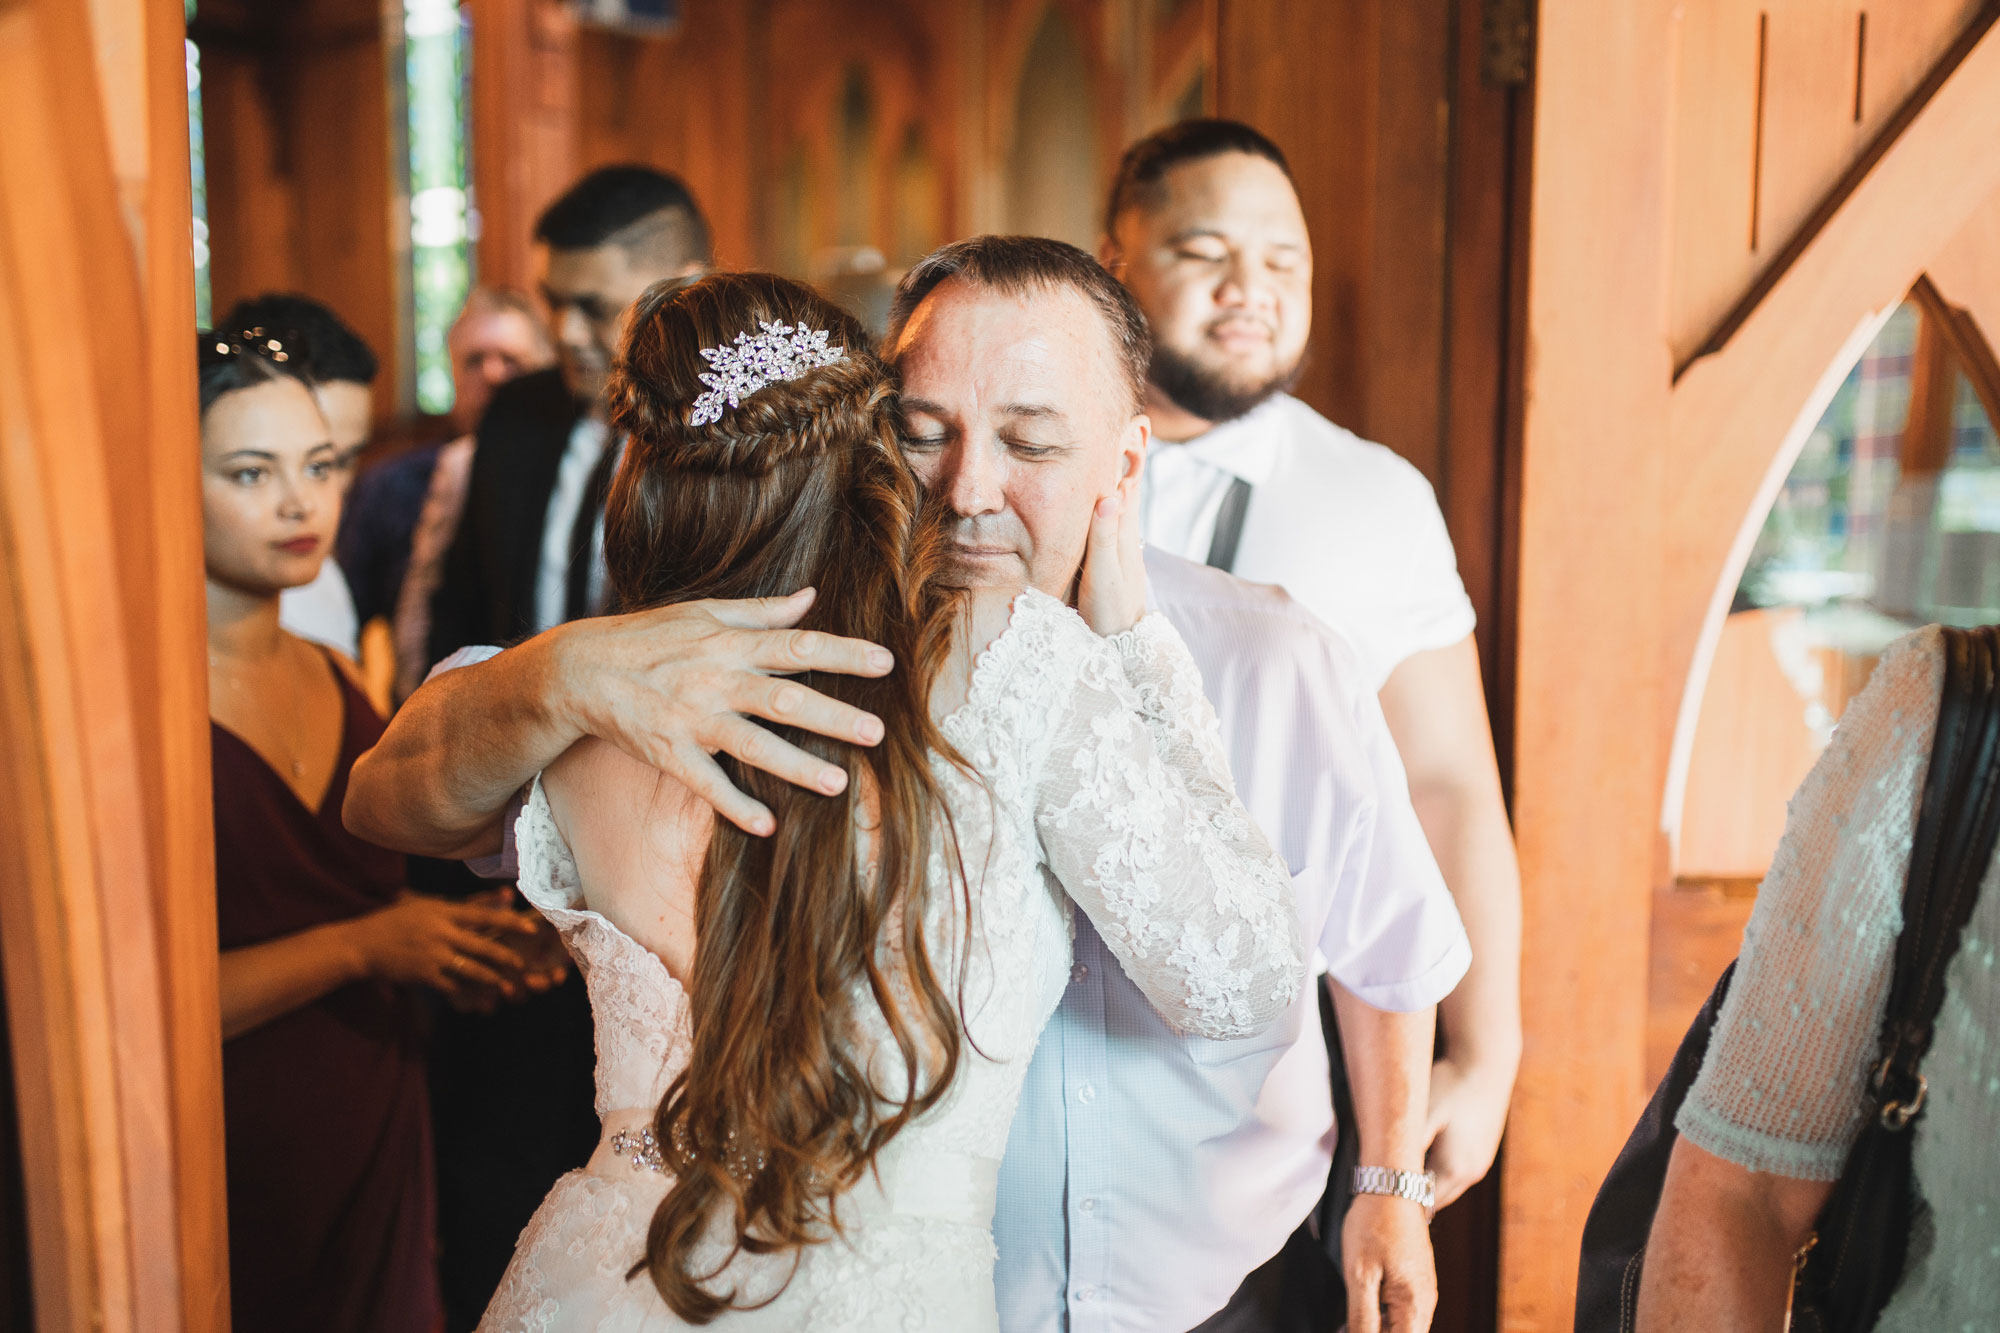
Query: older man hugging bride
point(816, 1014)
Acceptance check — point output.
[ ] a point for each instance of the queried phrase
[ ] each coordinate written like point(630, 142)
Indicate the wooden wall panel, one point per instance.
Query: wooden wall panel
point(1330, 141)
point(681, 103)
point(1409, 164)
point(1697, 929)
point(1588, 751)
point(738, 91)
point(1715, 146)
point(1772, 101)
point(252, 204)
point(1809, 129)
point(524, 110)
point(1484, 298)
point(1903, 42)
point(295, 114)
point(340, 155)
point(1752, 748)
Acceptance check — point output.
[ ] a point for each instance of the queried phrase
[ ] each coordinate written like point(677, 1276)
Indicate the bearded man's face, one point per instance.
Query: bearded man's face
point(1218, 257)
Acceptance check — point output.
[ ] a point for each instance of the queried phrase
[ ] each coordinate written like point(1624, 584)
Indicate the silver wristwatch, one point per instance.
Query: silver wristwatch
point(1419, 1187)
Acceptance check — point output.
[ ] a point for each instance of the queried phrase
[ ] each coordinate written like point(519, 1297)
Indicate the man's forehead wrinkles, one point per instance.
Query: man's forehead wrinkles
point(1034, 411)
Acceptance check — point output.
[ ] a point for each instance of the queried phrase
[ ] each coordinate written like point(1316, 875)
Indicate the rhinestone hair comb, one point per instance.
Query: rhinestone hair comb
point(781, 352)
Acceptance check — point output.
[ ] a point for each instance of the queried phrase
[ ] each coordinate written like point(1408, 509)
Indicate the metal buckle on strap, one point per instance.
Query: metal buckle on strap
point(1897, 1115)
point(1898, 1110)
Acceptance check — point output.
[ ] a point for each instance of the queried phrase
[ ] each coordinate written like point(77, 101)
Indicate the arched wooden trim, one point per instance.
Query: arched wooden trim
point(1946, 69)
point(1730, 412)
point(1968, 350)
point(1688, 716)
point(1971, 351)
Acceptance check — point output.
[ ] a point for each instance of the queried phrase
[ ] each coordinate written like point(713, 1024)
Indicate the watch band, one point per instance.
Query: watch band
point(1419, 1187)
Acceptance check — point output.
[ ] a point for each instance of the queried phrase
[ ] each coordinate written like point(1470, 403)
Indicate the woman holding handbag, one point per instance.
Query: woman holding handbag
point(1845, 1123)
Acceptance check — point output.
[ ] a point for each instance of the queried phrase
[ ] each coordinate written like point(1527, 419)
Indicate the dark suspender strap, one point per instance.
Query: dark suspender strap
point(1229, 526)
point(1958, 824)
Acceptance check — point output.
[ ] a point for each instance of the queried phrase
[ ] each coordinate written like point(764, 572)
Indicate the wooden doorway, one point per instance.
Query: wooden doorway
point(107, 924)
point(1676, 347)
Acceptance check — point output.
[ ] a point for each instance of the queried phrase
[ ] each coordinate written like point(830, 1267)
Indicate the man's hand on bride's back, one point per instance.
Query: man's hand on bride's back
point(674, 686)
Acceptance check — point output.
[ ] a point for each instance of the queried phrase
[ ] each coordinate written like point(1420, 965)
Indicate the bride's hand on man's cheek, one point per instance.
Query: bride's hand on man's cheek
point(1111, 593)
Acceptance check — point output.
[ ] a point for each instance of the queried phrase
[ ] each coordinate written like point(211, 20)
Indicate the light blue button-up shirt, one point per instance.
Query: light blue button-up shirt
point(1148, 1174)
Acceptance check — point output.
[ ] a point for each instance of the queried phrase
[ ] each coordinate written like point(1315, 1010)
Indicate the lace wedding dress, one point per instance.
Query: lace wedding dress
point(1102, 781)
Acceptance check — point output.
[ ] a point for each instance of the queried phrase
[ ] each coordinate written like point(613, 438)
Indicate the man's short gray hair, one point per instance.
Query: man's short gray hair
point(1024, 263)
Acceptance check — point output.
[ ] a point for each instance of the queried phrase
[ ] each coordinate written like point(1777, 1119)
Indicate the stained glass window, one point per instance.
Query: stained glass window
point(443, 223)
point(199, 182)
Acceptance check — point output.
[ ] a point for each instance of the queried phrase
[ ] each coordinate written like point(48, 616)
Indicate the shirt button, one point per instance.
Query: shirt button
point(1086, 1293)
point(1086, 1094)
point(1088, 1206)
point(1079, 972)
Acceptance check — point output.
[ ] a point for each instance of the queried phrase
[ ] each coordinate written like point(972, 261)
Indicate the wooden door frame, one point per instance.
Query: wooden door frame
point(1637, 477)
point(108, 924)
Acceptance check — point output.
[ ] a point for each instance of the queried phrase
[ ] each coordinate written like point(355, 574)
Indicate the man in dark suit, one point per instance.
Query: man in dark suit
point(528, 554)
point(511, 1090)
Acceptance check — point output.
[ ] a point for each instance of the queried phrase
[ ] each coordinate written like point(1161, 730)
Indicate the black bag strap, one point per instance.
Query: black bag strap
point(1229, 526)
point(1958, 823)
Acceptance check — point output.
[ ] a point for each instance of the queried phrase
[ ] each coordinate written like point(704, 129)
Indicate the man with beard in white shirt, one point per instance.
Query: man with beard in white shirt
point(1205, 229)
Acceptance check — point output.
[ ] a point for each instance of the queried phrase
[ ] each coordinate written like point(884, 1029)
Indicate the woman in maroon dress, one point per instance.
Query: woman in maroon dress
point(329, 1154)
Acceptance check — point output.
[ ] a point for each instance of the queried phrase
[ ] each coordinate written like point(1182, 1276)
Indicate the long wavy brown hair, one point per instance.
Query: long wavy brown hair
point(800, 934)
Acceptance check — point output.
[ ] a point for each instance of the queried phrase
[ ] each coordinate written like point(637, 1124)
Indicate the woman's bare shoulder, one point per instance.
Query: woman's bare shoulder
point(638, 838)
point(617, 812)
point(594, 769)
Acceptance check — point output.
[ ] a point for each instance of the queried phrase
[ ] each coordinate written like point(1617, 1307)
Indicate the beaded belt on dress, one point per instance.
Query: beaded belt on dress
point(916, 1181)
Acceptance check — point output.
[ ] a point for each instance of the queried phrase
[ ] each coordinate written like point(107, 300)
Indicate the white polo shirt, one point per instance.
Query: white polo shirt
point(1347, 527)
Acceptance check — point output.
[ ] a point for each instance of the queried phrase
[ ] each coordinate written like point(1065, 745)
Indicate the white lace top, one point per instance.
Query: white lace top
point(1783, 1087)
point(1101, 779)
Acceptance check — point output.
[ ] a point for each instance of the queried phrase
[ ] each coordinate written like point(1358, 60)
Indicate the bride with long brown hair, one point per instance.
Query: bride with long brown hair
point(810, 1045)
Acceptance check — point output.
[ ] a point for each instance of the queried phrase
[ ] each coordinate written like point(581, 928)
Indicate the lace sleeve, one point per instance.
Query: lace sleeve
point(1140, 821)
point(1782, 1088)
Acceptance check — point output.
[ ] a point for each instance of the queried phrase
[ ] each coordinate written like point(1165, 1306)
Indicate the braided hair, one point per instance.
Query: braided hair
point(803, 943)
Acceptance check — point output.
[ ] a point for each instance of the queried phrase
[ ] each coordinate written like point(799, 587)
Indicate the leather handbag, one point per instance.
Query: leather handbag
point(1854, 1261)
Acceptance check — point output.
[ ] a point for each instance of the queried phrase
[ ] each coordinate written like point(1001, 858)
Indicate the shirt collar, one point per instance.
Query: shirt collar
point(1246, 447)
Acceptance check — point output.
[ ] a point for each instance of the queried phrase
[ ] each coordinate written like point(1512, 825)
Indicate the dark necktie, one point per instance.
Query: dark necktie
point(583, 534)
